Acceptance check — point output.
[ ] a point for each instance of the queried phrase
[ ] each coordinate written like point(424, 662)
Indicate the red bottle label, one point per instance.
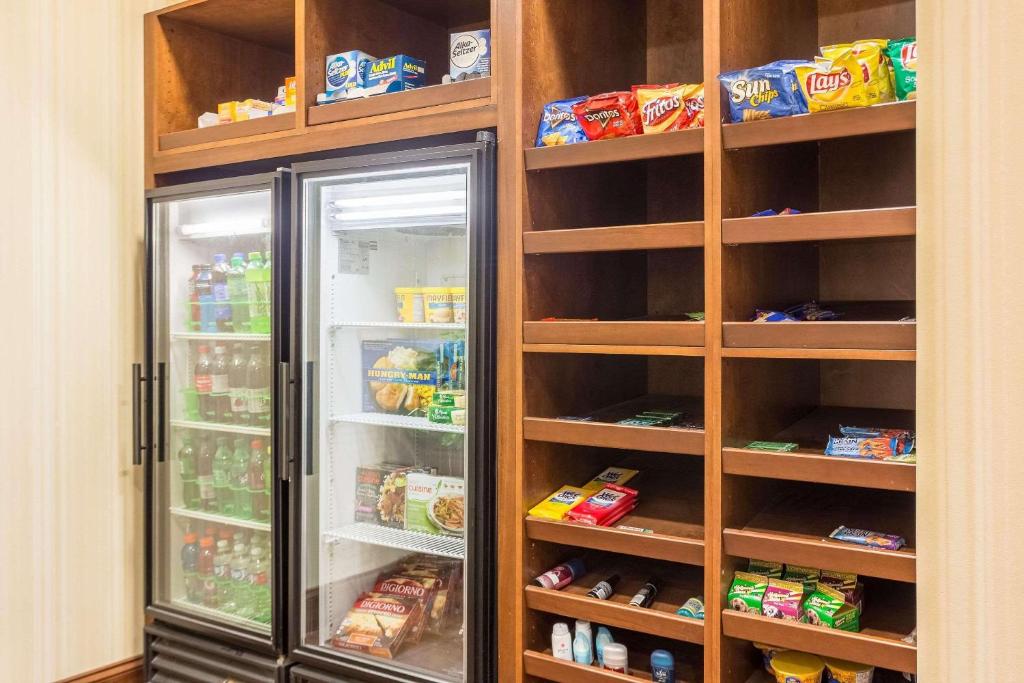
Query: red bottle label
point(204, 384)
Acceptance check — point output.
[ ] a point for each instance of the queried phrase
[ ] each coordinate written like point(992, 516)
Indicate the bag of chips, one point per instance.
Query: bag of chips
point(670, 107)
point(763, 92)
point(870, 54)
point(693, 101)
point(558, 124)
point(609, 115)
point(903, 54)
point(833, 84)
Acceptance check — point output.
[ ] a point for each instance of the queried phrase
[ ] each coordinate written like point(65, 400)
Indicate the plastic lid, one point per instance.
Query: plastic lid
point(206, 542)
point(616, 656)
point(797, 664)
point(255, 256)
point(237, 260)
point(190, 538)
point(560, 629)
point(238, 254)
point(583, 625)
point(662, 658)
point(844, 666)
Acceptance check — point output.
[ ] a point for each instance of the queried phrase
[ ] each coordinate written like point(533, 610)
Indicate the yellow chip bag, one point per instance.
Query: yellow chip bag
point(560, 502)
point(870, 54)
point(833, 84)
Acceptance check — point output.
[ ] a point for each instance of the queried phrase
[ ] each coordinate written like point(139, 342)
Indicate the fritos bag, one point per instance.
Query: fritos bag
point(833, 84)
point(670, 107)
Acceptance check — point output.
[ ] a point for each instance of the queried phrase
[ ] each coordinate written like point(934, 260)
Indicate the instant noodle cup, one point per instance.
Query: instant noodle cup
point(840, 671)
point(833, 84)
point(797, 667)
point(437, 304)
point(870, 54)
point(409, 301)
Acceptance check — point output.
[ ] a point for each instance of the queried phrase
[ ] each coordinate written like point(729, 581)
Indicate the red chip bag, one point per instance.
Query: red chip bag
point(610, 115)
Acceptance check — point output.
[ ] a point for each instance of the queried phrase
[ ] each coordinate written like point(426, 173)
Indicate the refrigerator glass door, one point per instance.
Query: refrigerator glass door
point(385, 491)
point(212, 477)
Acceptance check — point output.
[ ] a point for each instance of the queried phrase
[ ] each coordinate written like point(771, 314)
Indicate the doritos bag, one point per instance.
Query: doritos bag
point(558, 124)
point(609, 115)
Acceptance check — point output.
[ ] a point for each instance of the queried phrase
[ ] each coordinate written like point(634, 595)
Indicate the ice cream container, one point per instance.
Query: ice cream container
point(797, 667)
point(409, 301)
point(840, 671)
point(437, 304)
point(459, 311)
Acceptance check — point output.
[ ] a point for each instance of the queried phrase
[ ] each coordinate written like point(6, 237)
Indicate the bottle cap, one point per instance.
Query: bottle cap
point(662, 658)
point(255, 256)
point(190, 538)
point(582, 626)
point(206, 542)
point(560, 629)
point(257, 444)
point(238, 254)
point(219, 258)
point(203, 348)
point(615, 656)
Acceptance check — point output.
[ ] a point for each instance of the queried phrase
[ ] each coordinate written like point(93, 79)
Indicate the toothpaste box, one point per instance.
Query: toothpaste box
point(470, 53)
point(345, 70)
point(395, 74)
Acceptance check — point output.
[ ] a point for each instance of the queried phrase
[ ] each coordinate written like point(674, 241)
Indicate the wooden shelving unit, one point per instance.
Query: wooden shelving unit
point(617, 150)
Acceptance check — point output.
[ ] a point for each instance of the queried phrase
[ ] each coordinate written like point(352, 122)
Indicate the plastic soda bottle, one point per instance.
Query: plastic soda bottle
point(189, 568)
point(204, 568)
point(240, 580)
point(259, 311)
point(204, 472)
point(240, 480)
point(259, 496)
point(207, 303)
point(258, 384)
point(259, 586)
point(222, 304)
point(222, 477)
point(219, 390)
point(203, 376)
point(222, 576)
point(187, 466)
point(238, 388)
point(194, 319)
point(238, 294)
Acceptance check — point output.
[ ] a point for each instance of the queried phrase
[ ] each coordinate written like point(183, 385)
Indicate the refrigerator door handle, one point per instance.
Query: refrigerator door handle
point(284, 405)
point(161, 375)
point(137, 444)
point(308, 443)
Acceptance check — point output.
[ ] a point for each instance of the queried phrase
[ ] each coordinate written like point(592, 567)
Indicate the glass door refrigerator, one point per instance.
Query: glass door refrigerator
point(215, 338)
point(393, 511)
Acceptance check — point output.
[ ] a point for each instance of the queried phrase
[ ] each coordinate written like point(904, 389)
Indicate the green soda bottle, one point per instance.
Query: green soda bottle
point(240, 480)
point(256, 285)
point(187, 466)
point(222, 478)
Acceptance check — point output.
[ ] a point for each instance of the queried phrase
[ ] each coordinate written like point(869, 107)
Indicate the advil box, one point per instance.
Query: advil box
point(395, 74)
point(345, 70)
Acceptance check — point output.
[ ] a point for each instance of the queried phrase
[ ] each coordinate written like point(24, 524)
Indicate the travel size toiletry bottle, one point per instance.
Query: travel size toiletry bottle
point(561, 642)
point(663, 667)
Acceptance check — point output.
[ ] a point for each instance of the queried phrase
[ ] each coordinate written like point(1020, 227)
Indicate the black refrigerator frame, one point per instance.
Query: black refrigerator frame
point(150, 429)
point(480, 643)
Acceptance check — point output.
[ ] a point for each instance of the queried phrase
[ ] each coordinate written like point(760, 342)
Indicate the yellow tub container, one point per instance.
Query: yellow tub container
point(437, 304)
point(409, 302)
point(797, 667)
point(841, 671)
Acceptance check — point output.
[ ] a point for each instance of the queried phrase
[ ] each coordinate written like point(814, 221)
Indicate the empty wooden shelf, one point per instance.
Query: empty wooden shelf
point(813, 466)
point(832, 334)
point(614, 332)
point(602, 434)
point(632, 148)
point(881, 118)
point(615, 238)
point(227, 131)
point(822, 225)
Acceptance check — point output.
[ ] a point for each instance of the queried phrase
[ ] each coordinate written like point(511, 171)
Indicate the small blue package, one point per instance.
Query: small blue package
point(558, 124)
point(345, 71)
point(788, 67)
point(395, 74)
point(764, 92)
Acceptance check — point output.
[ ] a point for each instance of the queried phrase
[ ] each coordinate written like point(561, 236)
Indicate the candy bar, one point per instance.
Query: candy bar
point(873, 539)
point(611, 475)
point(559, 503)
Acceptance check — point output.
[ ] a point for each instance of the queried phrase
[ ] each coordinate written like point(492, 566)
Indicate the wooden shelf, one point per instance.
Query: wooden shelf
point(633, 148)
point(881, 118)
point(826, 225)
point(615, 332)
point(615, 238)
point(820, 354)
point(227, 131)
point(813, 466)
point(871, 646)
point(420, 98)
point(838, 335)
point(606, 435)
point(543, 665)
point(660, 619)
point(616, 350)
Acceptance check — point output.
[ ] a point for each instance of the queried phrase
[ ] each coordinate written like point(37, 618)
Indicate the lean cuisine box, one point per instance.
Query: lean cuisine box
point(399, 376)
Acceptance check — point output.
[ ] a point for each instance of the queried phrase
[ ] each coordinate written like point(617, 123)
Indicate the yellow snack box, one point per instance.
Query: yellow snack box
point(560, 502)
point(833, 84)
point(289, 91)
point(870, 54)
point(231, 111)
point(612, 475)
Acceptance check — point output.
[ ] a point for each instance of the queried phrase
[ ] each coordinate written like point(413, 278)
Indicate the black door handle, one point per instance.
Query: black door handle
point(161, 375)
point(137, 445)
point(284, 403)
point(308, 407)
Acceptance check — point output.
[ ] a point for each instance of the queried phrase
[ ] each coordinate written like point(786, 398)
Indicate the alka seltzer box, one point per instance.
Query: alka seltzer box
point(470, 53)
point(395, 74)
point(346, 70)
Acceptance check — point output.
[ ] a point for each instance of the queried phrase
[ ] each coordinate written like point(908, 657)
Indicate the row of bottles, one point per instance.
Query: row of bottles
point(217, 478)
point(231, 298)
point(228, 571)
point(230, 389)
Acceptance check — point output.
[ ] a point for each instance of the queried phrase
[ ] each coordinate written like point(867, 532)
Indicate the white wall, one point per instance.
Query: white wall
point(70, 257)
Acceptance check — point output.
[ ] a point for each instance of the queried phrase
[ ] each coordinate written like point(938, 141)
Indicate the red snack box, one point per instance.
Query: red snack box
point(605, 506)
point(609, 115)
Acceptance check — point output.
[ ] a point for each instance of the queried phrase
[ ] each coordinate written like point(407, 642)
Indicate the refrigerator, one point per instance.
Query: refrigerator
point(209, 422)
point(393, 511)
point(315, 415)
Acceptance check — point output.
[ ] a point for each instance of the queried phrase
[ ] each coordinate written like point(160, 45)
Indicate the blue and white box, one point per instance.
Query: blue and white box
point(470, 53)
point(346, 70)
point(395, 74)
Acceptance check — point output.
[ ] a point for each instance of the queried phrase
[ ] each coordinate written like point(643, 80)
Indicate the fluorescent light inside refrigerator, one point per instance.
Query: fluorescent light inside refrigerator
point(437, 200)
point(223, 228)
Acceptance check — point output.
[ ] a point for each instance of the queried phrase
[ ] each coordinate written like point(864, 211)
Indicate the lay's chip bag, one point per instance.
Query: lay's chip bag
point(763, 92)
point(558, 124)
point(903, 54)
point(834, 84)
point(870, 54)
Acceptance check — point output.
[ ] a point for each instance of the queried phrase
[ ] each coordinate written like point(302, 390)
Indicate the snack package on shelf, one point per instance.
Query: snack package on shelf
point(558, 124)
point(670, 107)
point(435, 504)
point(873, 539)
point(394, 74)
point(605, 507)
point(807, 576)
point(782, 600)
point(831, 84)
point(870, 54)
point(845, 583)
point(559, 503)
point(611, 475)
point(829, 608)
point(609, 115)
point(771, 570)
point(746, 593)
point(760, 93)
point(692, 608)
point(378, 624)
point(346, 70)
point(903, 56)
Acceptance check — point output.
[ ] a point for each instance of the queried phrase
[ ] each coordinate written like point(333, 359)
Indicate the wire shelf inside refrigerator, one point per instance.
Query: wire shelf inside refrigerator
point(401, 421)
point(217, 427)
point(400, 326)
point(220, 336)
point(220, 615)
point(401, 539)
point(220, 519)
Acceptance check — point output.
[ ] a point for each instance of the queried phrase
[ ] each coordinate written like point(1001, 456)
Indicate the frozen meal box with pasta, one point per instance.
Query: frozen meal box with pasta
point(434, 504)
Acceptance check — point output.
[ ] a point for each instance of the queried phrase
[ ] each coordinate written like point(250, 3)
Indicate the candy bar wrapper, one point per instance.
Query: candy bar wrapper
point(560, 502)
point(771, 570)
point(747, 592)
point(782, 600)
point(612, 475)
point(873, 539)
point(873, 448)
point(607, 504)
point(620, 515)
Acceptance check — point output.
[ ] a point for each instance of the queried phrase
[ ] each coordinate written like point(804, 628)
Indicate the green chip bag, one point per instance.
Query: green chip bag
point(903, 55)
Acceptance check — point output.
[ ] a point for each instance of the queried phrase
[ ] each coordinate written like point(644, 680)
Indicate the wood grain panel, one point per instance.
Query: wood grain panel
point(882, 118)
point(627, 333)
point(657, 439)
point(616, 150)
point(227, 131)
point(615, 238)
point(813, 466)
point(824, 225)
point(835, 334)
point(433, 96)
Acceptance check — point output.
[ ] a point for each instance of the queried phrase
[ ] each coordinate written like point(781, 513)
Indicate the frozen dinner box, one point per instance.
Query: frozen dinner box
point(435, 504)
point(400, 376)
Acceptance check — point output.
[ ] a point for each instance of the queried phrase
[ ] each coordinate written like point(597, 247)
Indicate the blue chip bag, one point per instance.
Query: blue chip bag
point(763, 92)
point(558, 124)
point(788, 67)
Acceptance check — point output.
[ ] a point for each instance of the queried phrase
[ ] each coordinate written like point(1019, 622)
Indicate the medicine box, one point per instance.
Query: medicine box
point(345, 70)
point(469, 53)
point(395, 74)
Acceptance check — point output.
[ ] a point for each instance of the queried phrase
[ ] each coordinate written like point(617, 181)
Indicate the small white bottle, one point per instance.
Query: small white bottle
point(561, 642)
point(583, 644)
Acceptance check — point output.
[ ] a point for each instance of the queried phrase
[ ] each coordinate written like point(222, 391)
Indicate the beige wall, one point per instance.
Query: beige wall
point(70, 231)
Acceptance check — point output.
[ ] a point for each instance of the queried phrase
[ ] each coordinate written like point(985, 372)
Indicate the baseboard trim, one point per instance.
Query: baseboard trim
point(125, 671)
